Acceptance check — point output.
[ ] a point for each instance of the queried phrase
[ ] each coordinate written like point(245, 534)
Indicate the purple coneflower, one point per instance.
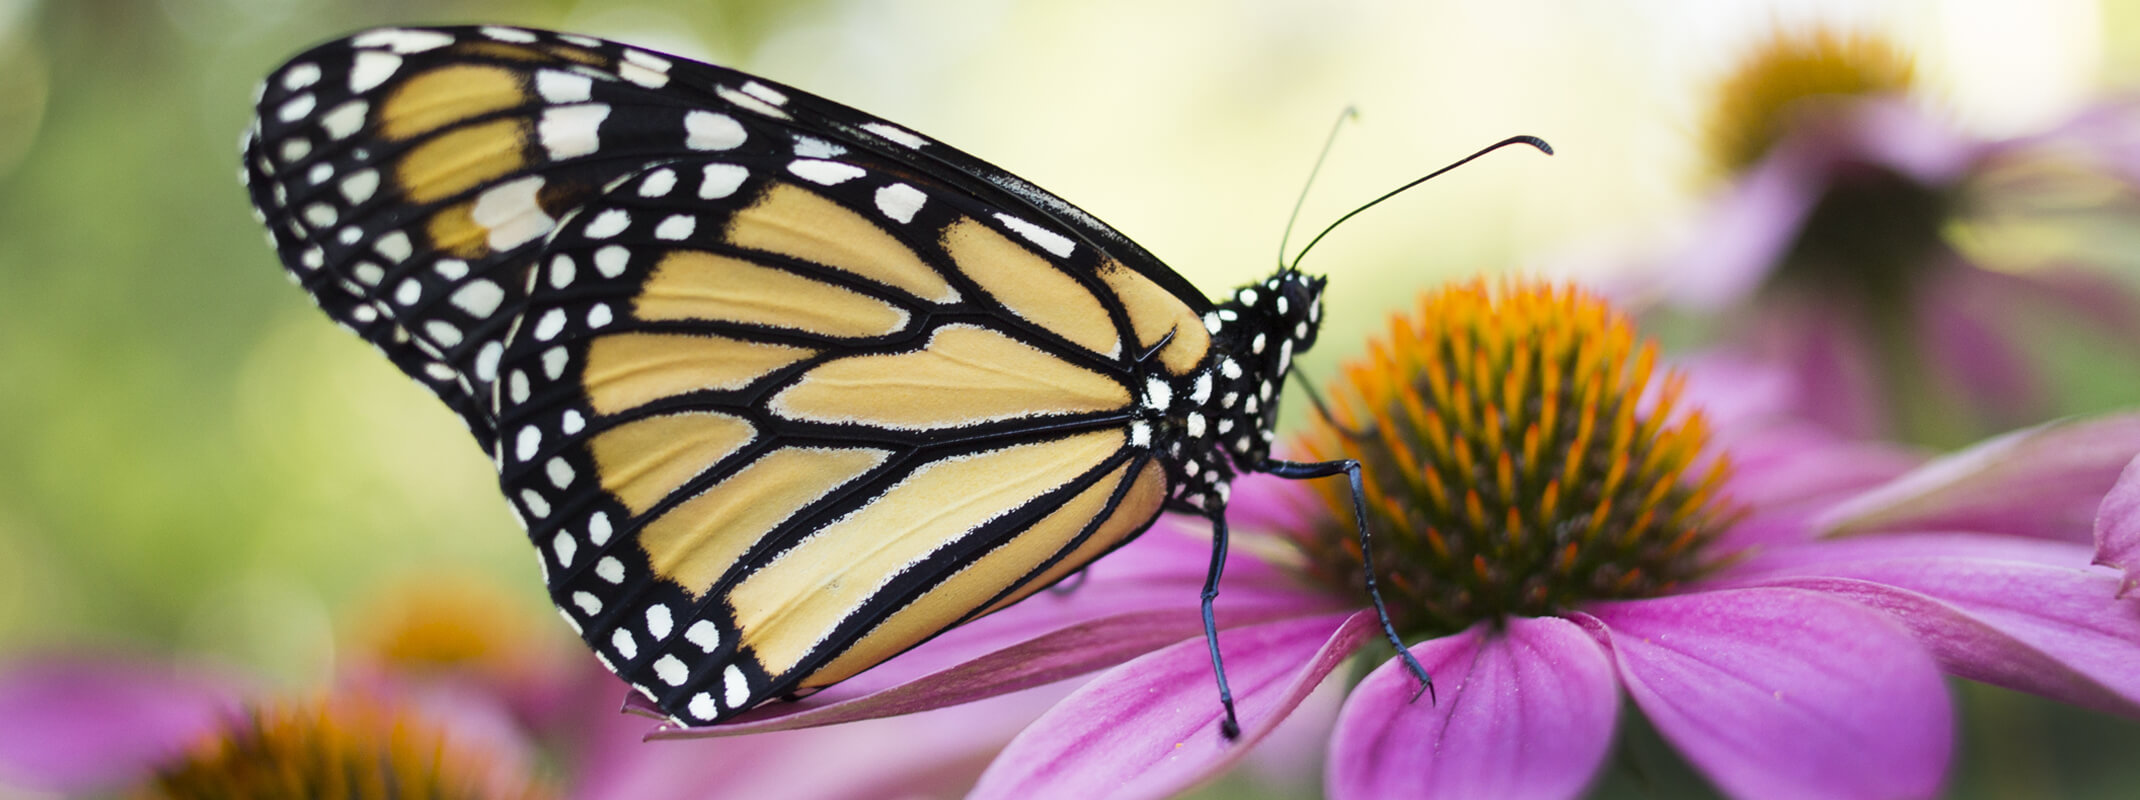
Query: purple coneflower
point(1556, 527)
point(1868, 242)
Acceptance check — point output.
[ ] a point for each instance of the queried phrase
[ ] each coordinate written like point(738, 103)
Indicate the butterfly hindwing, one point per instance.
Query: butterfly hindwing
point(809, 415)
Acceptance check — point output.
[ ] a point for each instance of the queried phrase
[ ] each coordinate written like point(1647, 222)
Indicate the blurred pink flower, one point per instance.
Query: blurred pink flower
point(1876, 248)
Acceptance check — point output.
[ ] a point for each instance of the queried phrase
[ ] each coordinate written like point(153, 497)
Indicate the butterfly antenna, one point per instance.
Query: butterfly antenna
point(1529, 140)
point(1350, 113)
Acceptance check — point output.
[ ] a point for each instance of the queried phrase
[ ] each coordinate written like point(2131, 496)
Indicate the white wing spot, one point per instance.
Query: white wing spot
point(827, 173)
point(487, 361)
point(402, 40)
point(609, 569)
point(766, 93)
point(319, 173)
point(320, 215)
point(562, 270)
point(813, 147)
point(508, 34)
point(1157, 394)
point(705, 634)
point(900, 201)
point(442, 332)
point(368, 273)
point(658, 621)
point(345, 119)
point(296, 108)
point(735, 687)
point(606, 224)
point(676, 228)
point(640, 74)
point(451, 269)
point(528, 443)
point(746, 101)
point(294, 149)
point(702, 706)
point(480, 298)
point(535, 504)
point(572, 131)
point(611, 260)
point(517, 386)
point(708, 130)
point(551, 324)
point(598, 526)
point(624, 645)
point(560, 472)
point(895, 133)
point(599, 316)
point(722, 180)
point(563, 87)
point(553, 362)
point(512, 213)
point(565, 548)
point(372, 68)
point(598, 522)
point(658, 183)
point(300, 76)
point(588, 603)
point(410, 291)
point(358, 187)
point(670, 670)
point(1048, 240)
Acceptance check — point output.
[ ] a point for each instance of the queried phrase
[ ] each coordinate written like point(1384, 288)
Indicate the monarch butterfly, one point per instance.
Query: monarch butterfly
point(778, 389)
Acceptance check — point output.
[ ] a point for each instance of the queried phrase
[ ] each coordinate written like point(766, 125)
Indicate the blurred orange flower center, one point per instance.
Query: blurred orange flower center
point(1781, 78)
point(344, 749)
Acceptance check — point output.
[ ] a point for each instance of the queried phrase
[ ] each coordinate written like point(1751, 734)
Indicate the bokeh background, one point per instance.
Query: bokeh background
point(194, 463)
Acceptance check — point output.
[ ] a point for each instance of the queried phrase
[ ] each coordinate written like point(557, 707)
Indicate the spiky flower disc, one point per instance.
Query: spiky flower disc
point(1520, 457)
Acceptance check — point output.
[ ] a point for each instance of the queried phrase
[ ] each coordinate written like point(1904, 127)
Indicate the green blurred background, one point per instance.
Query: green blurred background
point(192, 461)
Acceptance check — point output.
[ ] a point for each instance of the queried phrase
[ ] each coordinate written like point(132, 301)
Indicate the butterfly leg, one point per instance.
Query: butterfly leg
point(1297, 470)
point(1071, 585)
point(1229, 727)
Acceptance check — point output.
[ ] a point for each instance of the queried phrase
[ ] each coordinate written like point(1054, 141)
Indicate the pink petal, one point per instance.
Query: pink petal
point(1784, 693)
point(1137, 600)
point(76, 724)
point(1150, 727)
point(2044, 481)
point(1964, 331)
point(2027, 614)
point(2117, 528)
point(1527, 712)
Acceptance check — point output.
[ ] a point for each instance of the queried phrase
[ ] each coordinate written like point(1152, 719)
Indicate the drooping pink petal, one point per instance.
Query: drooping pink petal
point(1526, 713)
point(1965, 333)
point(1784, 693)
point(1150, 727)
point(2117, 528)
point(1137, 600)
point(2044, 481)
point(73, 725)
point(2026, 614)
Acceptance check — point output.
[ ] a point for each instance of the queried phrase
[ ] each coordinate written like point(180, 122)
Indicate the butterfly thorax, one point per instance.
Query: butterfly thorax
point(1219, 422)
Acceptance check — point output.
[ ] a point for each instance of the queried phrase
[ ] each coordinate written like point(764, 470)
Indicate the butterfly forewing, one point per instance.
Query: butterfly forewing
point(408, 177)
